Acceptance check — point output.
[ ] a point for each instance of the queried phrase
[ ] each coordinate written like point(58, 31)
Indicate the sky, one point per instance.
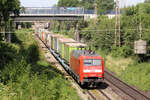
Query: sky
point(130, 2)
point(49, 3)
point(38, 3)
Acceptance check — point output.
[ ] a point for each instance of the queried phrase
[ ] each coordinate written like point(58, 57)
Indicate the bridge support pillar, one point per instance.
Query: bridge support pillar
point(62, 24)
point(3, 30)
point(10, 29)
point(76, 34)
point(9, 37)
point(19, 27)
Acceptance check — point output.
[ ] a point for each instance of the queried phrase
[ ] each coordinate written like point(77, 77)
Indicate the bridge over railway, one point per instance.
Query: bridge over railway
point(32, 14)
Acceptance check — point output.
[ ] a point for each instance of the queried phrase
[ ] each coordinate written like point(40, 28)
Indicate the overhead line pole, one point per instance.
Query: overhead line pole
point(115, 38)
point(119, 21)
point(95, 12)
point(117, 24)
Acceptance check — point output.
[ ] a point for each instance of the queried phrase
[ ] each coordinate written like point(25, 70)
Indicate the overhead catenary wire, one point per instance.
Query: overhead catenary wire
point(101, 30)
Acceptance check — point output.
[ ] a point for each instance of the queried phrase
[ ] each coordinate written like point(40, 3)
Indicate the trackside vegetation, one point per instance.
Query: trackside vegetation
point(133, 69)
point(26, 75)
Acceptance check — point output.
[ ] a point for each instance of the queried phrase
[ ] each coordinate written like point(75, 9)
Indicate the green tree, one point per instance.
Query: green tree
point(87, 4)
point(8, 7)
point(102, 5)
point(68, 3)
point(147, 1)
point(105, 5)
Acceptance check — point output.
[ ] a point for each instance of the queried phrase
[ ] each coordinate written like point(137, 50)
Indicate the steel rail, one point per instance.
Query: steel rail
point(104, 94)
point(124, 87)
point(92, 96)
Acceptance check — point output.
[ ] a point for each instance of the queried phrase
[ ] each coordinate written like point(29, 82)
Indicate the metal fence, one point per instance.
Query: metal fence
point(89, 11)
point(53, 10)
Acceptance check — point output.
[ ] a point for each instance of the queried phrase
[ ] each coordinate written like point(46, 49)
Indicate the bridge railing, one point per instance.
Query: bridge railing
point(54, 10)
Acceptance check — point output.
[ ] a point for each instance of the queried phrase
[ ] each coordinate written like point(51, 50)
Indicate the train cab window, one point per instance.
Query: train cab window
point(87, 62)
point(97, 62)
point(92, 62)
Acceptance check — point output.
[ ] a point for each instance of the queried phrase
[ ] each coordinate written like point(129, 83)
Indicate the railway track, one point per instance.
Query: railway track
point(104, 94)
point(64, 71)
point(92, 96)
point(124, 87)
point(128, 90)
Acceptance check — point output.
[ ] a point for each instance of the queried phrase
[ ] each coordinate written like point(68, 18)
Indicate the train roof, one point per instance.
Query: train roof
point(46, 31)
point(77, 44)
point(56, 35)
point(69, 40)
point(78, 53)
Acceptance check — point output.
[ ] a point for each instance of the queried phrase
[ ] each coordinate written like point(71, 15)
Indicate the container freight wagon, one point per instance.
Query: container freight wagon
point(43, 34)
point(46, 37)
point(54, 41)
point(56, 38)
point(68, 47)
point(40, 33)
point(87, 67)
point(61, 45)
point(49, 40)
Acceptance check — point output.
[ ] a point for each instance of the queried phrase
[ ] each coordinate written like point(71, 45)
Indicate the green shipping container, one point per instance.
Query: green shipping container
point(68, 47)
point(54, 41)
point(50, 40)
point(56, 38)
point(61, 42)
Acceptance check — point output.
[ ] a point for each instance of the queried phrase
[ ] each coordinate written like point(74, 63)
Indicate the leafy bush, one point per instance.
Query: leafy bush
point(14, 69)
point(124, 51)
point(7, 53)
point(32, 54)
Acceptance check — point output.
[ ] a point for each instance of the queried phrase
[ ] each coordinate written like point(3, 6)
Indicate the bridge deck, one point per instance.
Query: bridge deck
point(52, 13)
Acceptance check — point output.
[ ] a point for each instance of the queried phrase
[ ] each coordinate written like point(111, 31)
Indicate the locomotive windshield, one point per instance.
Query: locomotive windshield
point(92, 62)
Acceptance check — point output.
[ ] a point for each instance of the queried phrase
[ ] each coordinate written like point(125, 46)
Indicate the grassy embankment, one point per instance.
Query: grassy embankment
point(129, 70)
point(26, 75)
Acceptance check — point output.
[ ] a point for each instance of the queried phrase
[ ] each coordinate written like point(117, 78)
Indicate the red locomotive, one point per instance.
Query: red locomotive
point(86, 67)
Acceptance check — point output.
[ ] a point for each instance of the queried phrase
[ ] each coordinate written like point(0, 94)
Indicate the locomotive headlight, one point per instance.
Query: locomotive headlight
point(86, 75)
point(99, 75)
point(98, 70)
point(86, 71)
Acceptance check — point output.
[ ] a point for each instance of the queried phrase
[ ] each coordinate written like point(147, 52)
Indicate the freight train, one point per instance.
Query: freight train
point(85, 66)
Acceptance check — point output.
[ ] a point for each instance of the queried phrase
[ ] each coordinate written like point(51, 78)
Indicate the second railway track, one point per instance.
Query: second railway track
point(124, 87)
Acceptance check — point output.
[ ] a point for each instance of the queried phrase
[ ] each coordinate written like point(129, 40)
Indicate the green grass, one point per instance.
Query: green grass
point(117, 65)
point(138, 75)
point(28, 76)
point(129, 70)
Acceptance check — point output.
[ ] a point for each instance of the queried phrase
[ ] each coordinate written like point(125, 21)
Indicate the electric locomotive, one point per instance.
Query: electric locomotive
point(87, 67)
